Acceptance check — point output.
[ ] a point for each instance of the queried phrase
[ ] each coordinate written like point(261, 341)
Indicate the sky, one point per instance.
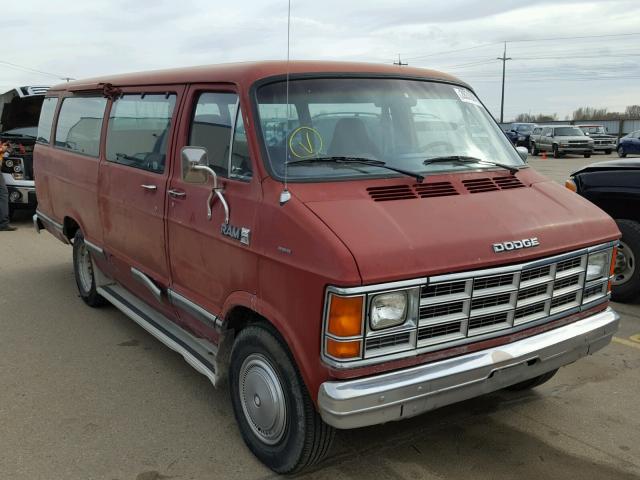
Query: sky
point(79, 38)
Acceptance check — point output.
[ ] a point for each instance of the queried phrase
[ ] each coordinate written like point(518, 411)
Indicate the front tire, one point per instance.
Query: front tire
point(607, 152)
point(621, 152)
point(626, 274)
point(587, 155)
point(556, 153)
point(533, 382)
point(84, 274)
point(276, 416)
point(534, 150)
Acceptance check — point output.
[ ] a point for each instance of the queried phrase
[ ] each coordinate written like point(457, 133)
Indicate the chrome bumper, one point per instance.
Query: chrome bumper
point(406, 393)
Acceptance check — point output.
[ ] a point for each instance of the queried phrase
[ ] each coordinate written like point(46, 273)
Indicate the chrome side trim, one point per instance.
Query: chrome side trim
point(36, 223)
point(409, 392)
point(50, 221)
point(94, 248)
point(198, 353)
point(147, 282)
point(194, 309)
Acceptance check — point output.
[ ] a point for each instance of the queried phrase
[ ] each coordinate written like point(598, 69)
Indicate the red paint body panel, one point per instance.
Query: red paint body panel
point(329, 233)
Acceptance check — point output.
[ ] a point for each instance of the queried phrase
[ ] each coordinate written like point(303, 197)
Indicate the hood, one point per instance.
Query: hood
point(414, 236)
point(573, 138)
point(601, 135)
point(627, 164)
point(18, 110)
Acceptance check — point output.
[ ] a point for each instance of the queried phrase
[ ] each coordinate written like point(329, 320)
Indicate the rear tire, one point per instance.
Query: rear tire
point(621, 152)
point(83, 271)
point(607, 152)
point(276, 416)
point(533, 382)
point(626, 275)
point(587, 155)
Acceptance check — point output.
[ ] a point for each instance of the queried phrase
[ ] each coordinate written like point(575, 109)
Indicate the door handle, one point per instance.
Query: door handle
point(177, 193)
point(149, 187)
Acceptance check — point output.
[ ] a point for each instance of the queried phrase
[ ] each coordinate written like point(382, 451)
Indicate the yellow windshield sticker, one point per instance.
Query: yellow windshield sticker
point(305, 142)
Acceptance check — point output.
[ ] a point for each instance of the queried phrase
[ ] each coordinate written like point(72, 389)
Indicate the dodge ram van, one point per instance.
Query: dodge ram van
point(345, 244)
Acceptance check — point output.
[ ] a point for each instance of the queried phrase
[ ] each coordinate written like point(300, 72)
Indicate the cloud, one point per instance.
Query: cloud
point(83, 39)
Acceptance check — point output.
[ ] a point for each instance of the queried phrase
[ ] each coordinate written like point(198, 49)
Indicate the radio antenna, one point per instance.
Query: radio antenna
point(285, 195)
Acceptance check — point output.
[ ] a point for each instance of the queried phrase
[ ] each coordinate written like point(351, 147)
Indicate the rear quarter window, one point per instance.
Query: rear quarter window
point(79, 124)
point(46, 119)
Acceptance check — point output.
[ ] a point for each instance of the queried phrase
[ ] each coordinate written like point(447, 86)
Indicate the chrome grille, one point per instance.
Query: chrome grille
point(464, 307)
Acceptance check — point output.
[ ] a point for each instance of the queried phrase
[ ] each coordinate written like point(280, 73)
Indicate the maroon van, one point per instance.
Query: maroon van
point(356, 245)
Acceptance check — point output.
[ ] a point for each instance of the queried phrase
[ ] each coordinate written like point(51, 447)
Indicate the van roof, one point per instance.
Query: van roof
point(246, 73)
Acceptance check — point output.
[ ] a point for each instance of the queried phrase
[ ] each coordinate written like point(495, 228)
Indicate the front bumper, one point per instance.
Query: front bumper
point(604, 146)
point(22, 197)
point(575, 149)
point(406, 393)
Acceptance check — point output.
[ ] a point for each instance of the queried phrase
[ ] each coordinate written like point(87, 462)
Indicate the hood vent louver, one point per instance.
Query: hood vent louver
point(436, 189)
point(508, 182)
point(392, 192)
point(442, 189)
point(479, 185)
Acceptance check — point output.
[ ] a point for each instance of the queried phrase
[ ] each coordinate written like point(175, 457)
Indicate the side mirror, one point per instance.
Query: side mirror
point(195, 166)
point(523, 152)
point(196, 169)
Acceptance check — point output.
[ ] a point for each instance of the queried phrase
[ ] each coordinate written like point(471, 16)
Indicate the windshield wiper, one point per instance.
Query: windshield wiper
point(361, 161)
point(466, 160)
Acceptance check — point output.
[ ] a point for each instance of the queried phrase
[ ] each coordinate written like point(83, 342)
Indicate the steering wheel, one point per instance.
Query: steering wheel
point(446, 146)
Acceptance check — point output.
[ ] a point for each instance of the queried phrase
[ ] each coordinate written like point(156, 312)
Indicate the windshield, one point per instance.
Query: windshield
point(29, 132)
point(524, 128)
point(569, 132)
point(593, 129)
point(399, 122)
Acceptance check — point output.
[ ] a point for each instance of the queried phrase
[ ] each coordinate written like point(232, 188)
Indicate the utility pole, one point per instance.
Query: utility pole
point(399, 62)
point(504, 59)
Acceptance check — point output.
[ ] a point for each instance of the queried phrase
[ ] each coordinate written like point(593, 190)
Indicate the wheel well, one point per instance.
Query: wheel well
point(70, 227)
point(237, 319)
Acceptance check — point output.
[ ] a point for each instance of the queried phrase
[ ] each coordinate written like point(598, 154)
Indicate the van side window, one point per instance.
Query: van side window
point(79, 124)
point(46, 119)
point(138, 130)
point(546, 132)
point(240, 159)
point(211, 128)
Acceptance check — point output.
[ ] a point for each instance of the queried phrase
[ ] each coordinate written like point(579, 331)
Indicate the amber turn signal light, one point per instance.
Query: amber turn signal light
point(571, 185)
point(345, 316)
point(343, 350)
point(614, 253)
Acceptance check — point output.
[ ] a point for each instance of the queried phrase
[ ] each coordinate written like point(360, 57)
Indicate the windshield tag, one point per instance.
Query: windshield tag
point(466, 96)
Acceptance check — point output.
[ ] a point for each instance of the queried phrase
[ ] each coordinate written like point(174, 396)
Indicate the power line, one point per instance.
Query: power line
point(33, 70)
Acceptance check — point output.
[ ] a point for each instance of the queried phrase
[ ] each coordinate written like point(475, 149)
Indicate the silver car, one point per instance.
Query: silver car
point(562, 139)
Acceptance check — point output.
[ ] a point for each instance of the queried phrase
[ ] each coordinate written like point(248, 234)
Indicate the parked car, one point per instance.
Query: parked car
point(561, 140)
point(602, 141)
point(19, 112)
point(629, 144)
point(519, 133)
point(614, 186)
point(347, 244)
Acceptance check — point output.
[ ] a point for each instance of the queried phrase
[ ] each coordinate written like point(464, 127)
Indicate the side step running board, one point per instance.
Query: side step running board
point(197, 352)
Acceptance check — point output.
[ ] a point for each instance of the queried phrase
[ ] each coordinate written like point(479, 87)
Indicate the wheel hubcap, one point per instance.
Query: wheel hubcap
point(625, 265)
point(262, 399)
point(85, 268)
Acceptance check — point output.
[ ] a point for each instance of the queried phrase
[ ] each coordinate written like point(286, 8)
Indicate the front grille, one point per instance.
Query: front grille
point(461, 307)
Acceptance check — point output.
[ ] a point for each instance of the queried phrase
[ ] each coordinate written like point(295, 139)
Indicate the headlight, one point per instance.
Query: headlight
point(564, 144)
point(8, 163)
point(598, 265)
point(17, 168)
point(388, 310)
